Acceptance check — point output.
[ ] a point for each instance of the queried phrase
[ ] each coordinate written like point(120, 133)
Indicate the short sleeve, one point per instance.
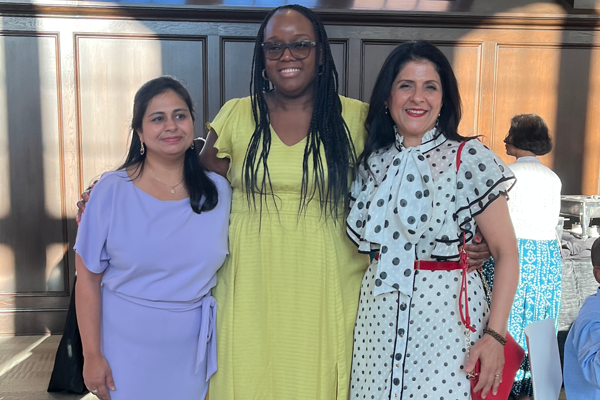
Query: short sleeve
point(221, 125)
point(93, 229)
point(355, 113)
point(481, 178)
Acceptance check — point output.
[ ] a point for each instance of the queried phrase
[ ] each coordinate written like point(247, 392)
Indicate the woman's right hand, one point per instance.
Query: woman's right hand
point(85, 197)
point(97, 375)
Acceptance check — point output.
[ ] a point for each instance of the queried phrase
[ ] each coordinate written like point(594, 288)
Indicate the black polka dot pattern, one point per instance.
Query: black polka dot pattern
point(409, 342)
point(413, 347)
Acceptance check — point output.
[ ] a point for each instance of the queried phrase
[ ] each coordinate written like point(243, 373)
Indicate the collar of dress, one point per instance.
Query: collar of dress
point(400, 211)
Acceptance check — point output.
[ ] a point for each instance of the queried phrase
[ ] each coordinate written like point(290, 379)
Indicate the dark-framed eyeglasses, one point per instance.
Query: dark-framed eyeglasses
point(508, 140)
point(299, 50)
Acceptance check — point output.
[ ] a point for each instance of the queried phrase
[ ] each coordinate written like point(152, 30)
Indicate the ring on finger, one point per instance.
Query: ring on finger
point(94, 391)
point(497, 376)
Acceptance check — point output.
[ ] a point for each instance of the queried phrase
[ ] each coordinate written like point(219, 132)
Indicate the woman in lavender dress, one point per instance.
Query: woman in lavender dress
point(154, 236)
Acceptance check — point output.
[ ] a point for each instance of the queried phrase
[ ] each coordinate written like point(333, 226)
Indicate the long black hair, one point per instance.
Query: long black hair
point(197, 183)
point(380, 124)
point(327, 128)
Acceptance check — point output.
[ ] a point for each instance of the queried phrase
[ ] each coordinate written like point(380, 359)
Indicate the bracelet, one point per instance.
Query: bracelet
point(495, 335)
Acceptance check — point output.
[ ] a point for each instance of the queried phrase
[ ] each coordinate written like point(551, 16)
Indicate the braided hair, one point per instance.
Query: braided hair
point(327, 129)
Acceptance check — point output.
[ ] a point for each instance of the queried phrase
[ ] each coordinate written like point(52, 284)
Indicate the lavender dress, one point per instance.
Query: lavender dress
point(159, 260)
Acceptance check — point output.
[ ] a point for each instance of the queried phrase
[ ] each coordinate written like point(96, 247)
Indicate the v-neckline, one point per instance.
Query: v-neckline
point(282, 142)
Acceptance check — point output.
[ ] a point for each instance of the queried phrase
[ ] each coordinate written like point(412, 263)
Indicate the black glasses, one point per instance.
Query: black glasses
point(299, 50)
point(508, 140)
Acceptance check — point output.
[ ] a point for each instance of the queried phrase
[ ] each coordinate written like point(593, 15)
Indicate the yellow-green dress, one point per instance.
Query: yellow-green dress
point(288, 292)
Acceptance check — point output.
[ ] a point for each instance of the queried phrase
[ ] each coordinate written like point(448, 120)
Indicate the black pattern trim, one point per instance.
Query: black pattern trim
point(395, 343)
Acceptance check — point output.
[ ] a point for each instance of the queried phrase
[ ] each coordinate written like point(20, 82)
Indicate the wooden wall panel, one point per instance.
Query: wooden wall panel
point(110, 70)
point(32, 220)
point(557, 83)
point(236, 67)
point(339, 50)
point(466, 63)
point(67, 85)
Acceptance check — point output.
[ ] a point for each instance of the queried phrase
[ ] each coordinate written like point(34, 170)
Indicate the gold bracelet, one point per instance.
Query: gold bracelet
point(495, 335)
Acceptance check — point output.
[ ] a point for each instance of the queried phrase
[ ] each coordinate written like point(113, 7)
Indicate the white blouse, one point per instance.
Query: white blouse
point(534, 202)
point(412, 203)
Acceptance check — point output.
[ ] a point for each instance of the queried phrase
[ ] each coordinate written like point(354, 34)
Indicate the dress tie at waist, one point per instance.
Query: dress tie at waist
point(207, 337)
point(450, 266)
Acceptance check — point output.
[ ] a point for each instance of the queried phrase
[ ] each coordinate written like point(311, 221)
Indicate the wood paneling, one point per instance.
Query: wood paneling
point(68, 75)
point(110, 69)
point(236, 67)
point(558, 83)
point(32, 223)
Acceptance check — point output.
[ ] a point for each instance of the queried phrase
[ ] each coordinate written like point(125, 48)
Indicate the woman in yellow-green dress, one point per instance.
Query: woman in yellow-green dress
point(288, 292)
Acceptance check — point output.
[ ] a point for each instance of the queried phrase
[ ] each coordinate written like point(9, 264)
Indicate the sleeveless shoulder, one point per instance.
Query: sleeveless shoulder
point(354, 113)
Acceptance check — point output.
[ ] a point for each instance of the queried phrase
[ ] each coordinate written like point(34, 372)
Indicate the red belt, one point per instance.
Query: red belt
point(427, 265)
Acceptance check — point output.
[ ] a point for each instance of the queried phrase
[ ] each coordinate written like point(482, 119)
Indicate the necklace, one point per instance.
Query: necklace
point(172, 187)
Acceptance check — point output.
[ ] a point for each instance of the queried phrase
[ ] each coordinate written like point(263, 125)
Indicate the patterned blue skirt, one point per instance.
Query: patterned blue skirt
point(538, 296)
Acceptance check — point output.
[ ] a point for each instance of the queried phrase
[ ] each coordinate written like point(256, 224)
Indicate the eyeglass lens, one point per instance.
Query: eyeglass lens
point(300, 50)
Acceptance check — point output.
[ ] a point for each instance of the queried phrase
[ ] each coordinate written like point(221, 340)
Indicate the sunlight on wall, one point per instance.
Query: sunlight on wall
point(405, 5)
point(54, 266)
point(7, 270)
point(591, 148)
point(49, 113)
point(4, 166)
point(111, 71)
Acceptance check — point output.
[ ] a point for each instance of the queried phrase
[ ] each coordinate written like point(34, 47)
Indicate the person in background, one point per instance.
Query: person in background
point(421, 192)
point(534, 207)
point(147, 253)
point(582, 348)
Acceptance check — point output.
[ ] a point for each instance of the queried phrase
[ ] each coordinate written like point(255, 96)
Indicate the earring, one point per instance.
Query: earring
point(142, 149)
point(192, 146)
point(264, 75)
point(386, 110)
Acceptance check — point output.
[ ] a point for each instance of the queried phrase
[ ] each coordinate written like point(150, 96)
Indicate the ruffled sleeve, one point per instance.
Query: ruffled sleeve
point(222, 125)
point(94, 227)
point(481, 178)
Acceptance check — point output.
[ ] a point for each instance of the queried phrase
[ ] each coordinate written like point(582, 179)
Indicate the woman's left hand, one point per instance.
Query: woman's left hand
point(491, 355)
point(478, 252)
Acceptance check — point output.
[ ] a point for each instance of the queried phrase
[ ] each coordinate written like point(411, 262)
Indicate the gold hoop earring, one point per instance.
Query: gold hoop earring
point(142, 149)
point(264, 75)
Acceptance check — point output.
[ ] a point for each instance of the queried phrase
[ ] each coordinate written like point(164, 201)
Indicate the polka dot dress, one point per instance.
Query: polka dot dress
point(409, 340)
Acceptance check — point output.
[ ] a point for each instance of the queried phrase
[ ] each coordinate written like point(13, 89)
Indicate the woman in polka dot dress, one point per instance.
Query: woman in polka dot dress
point(414, 205)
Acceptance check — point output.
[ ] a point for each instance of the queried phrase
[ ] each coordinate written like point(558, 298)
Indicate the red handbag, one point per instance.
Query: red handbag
point(513, 357)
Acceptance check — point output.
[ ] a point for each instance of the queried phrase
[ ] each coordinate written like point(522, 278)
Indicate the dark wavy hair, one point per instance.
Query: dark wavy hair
point(529, 132)
point(380, 124)
point(327, 130)
point(202, 190)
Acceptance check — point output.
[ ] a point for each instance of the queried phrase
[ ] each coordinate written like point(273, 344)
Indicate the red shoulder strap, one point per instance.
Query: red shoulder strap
point(458, 153)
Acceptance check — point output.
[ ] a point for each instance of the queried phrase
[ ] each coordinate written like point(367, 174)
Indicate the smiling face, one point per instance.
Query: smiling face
point(289, 76)
point(416, 99)
point(167, 126)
